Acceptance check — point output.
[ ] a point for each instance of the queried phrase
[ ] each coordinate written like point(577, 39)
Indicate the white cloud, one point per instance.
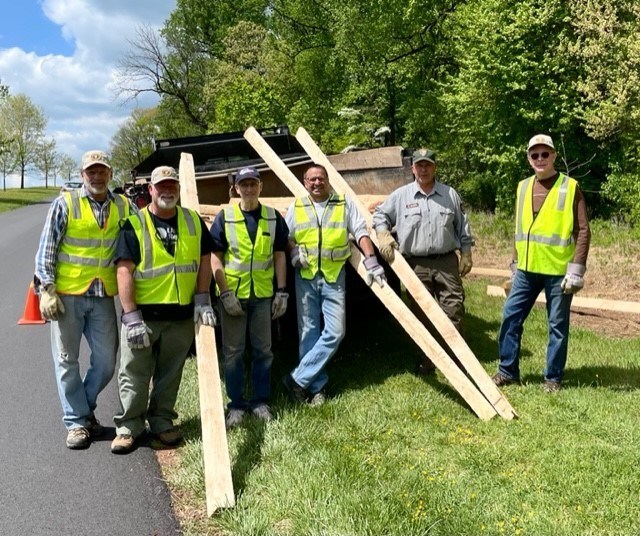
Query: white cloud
point(76, 92)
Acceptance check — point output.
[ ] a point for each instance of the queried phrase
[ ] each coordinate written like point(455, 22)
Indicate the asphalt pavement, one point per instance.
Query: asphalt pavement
point(45, 488)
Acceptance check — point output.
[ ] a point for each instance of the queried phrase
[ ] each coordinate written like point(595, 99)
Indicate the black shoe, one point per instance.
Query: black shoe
point(295, 392)
point(425, 368)
point(94, 427)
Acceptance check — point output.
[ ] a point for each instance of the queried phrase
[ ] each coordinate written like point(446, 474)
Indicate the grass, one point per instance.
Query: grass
point(14, 198)
point(393, 454)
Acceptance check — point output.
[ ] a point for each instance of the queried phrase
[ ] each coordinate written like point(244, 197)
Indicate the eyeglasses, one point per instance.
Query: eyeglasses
point(544, 155)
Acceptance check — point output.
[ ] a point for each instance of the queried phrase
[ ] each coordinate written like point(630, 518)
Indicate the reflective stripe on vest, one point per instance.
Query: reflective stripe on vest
point(249, 266)
point(86, 250)
point(545, 244)
point(327, 242)
point(161, 278)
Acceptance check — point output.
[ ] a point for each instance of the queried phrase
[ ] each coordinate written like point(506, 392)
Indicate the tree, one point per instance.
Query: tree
point(45, 160)
point(25, 124)
point(67, 167)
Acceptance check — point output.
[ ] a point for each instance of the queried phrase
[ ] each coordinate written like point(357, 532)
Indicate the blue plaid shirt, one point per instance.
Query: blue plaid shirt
point(54, 230)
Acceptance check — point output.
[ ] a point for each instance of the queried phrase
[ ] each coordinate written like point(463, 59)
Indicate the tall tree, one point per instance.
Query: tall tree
point(67, 167)
point(45, 159)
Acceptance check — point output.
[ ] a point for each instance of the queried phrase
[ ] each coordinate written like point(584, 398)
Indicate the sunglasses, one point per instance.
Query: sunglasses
point(544, 155)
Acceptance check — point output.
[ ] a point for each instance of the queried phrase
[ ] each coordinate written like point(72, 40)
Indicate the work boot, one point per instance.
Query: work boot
point(122, 444)
point(170, 437)
point(296, 393)
point(94, 427)
point(318, 399)
point(78, 438)
point(234, 418)
point(550, 386)
point(262, 412)
point(501, 380)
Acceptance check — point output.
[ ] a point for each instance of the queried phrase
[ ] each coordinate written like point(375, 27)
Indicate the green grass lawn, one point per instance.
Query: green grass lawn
point(393, 454)
point(14, 198)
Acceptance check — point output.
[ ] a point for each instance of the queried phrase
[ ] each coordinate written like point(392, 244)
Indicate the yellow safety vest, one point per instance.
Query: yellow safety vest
point(545, 244)
point(86, 250)
point(161, 278)
point(327, 242)
point(249, 265)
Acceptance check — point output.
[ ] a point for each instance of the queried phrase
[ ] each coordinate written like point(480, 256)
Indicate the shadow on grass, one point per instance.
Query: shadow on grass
point(614, 378)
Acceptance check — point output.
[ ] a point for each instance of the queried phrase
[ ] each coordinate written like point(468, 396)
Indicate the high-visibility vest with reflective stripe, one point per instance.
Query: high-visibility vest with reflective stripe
point(86, 250)
point(249, 265)
point(327, 242)
point(161, 278)
point(545, 244)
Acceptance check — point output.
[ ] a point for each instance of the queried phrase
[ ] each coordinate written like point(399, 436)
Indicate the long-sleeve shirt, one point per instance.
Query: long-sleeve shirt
point(53, 232)
point(425, 224)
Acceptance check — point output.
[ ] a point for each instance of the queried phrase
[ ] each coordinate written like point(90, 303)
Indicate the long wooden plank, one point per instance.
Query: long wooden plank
point(215, 450)
point(413, 285)
point(389, 298)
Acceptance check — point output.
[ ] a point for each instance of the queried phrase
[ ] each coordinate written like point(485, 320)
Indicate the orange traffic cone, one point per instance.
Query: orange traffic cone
point(31, 313)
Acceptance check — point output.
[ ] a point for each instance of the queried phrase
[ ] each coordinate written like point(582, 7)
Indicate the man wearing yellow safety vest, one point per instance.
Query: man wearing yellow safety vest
point(319, 228)
point(250, 241)
point(76, 279)
point(163, 258)
point(552, 240)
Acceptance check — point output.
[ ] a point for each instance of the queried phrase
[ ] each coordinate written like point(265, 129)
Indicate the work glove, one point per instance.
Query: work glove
point(136, 330)
point(466, 263)
point(513, 266)
point(299, 257)
point(279, 305)
point(386, 244)
point(375, 272)
point(50, 303)
point(202, 309)
point(231, 303)
point(574, 279)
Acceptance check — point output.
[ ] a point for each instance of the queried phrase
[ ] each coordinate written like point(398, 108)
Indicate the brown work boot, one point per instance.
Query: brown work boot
point(501, 380)
point(122, 444)
point(170, 437)
point(78, 438)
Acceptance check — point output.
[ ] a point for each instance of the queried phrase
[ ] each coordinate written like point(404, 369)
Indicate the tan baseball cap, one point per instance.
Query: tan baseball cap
point(91, 158)
point(164, 173)
point(541, 139)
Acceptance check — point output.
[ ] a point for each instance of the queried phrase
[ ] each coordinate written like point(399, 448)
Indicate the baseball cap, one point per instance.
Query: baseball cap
point(163, 173)
point(91, 158)
point(541, 139)
point(247, 173)
point(424, 154)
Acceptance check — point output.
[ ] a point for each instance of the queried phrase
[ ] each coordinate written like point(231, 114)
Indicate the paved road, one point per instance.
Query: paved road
point(45, 488)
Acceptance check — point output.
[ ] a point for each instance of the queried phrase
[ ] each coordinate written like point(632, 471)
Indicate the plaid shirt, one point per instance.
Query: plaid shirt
point(54, 230)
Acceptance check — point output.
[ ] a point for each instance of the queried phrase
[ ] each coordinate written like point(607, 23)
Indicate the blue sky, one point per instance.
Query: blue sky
point(63, 55)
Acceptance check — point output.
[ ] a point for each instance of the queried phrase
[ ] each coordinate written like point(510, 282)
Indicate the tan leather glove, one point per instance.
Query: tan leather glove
point(386, 245)
point(466, 263)
point(50, 303)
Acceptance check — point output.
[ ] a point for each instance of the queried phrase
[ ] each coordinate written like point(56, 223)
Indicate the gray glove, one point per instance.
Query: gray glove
point(50, 303)
point(513, 266)
point(231, 303)
point(136, 330)
point(375, 272)
point(279, 305)
point(299, 257)
point(574, 279)
point(202, 309)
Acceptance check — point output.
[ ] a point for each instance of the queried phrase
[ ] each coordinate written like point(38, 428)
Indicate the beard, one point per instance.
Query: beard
point(167, 202)
point(96, 189)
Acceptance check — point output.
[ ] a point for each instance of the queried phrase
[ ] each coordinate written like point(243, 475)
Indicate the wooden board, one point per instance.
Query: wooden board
point(581, 302)
point(215, 450)
point(383, 157)
point(415, 287)
point(389, 298)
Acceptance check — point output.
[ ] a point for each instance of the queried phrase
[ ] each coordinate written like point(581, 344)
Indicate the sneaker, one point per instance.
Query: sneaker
point(78, 438)
point(122, 444)
point(95, 428)
point(295, 392)
point(318, 399)
point(262, 412)
point(170, 437)
point(501, 380)
point(425, 368)
point(234, 418)
point(551, 386)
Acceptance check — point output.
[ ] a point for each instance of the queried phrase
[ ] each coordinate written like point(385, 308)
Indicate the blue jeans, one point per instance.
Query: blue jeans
point(318, 302)
point(95, 318)
point(526, 287)
point(256, 325)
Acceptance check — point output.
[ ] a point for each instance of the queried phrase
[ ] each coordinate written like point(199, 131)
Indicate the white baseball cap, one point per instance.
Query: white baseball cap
point(541, 139)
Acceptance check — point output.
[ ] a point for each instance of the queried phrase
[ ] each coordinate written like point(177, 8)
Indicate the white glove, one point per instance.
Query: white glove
point(386, 244)
point(136, 330)
point(299, 257)
point(375, 272)
point(574, 279)
point(466, 263)
point(513, 266)
point(279, 305)
point(202, 309)
point(50, 303)
point(231, 303)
